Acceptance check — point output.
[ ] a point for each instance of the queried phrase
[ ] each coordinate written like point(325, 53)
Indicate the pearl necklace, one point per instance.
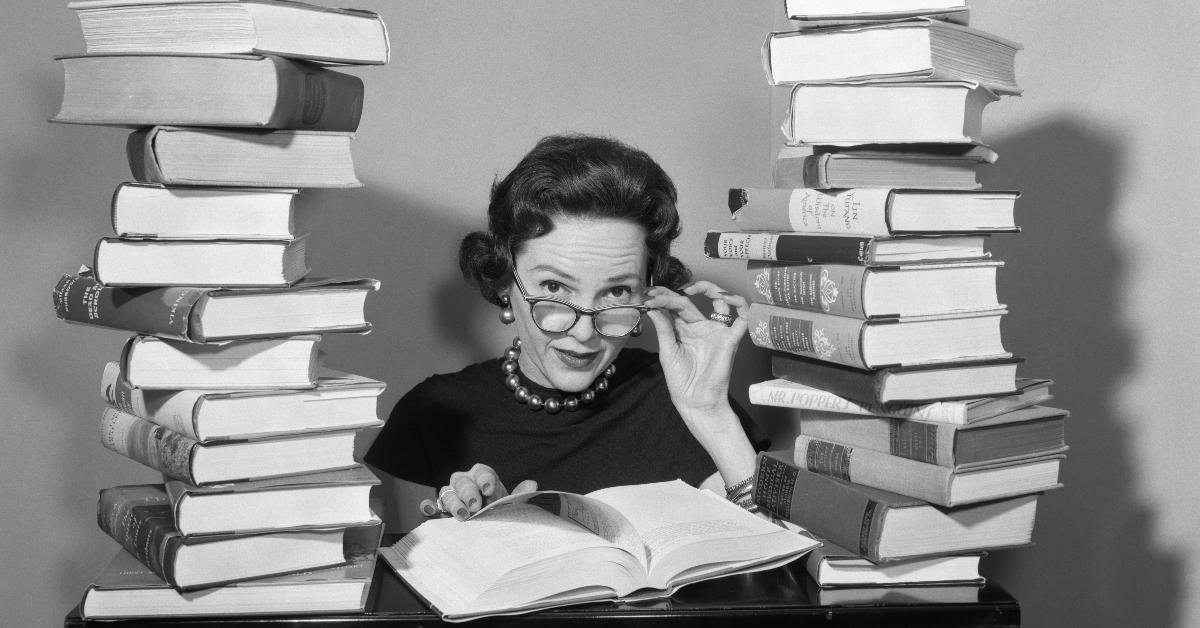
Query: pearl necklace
point(552, 404)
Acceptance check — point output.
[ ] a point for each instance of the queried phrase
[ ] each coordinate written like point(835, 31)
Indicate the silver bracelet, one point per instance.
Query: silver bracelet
point(744, 486)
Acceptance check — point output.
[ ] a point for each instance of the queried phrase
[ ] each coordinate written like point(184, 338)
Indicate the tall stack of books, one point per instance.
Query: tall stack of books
point(263, 507)
point(919, 447)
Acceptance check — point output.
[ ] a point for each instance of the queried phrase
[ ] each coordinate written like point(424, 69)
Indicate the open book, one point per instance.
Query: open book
point(547, 548)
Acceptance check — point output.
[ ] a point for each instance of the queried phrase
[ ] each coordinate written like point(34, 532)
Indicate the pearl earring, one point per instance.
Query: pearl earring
point(507, 316)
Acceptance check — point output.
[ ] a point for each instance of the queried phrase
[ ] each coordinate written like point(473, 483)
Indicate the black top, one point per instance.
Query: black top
point(632, 434)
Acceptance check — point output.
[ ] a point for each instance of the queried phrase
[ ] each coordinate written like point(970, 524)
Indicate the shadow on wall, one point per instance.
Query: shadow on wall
point(1094, 562)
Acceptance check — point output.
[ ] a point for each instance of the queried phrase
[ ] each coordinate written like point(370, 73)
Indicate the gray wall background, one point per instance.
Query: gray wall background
point(1103, 146)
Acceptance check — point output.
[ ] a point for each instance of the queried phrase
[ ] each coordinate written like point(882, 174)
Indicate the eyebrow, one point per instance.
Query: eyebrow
point(569, 277)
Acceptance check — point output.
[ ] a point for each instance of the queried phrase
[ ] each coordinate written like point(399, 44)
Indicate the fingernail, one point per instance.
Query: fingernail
point(722, 292)
point(486, 488)
point(471, 502)
point(462, 514)
point(428, 509)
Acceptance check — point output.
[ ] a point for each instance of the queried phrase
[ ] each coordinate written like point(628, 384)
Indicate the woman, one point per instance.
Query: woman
point(577, 257)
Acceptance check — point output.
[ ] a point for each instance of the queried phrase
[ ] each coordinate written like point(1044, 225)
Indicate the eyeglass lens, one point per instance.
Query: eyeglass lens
point(558, 317)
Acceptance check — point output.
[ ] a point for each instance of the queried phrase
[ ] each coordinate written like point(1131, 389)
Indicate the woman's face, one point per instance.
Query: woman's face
point(591, 263)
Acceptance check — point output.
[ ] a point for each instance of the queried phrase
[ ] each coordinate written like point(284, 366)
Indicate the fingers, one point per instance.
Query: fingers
point(487, 481)
point(449, 502)
point(722, 301)
point(526, 486)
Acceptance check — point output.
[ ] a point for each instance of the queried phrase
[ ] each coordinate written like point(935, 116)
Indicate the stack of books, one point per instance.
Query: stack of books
point(264, 507)
point(919, 447)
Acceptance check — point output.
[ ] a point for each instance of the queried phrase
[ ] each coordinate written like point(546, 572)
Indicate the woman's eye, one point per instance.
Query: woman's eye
point(619, 292)
point(551, 287)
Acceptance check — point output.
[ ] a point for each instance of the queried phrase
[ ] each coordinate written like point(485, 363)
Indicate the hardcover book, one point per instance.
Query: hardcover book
point(181, 458)
point(198, 314)
point(877, 291)
point(1025, 434)
point(261, 363)
point(877, 343)
point(920, 49)
point(174, 155)
point(881, 526)
point(315, 500)
point(215, 263)
point(340, 401)
point(151, 210)
point(810, 248)
point(543, 549)
point(867, 10)
point(871, 113)
point(923, 166)
point(818, 397)
point(943, 486)
point(874, 211)
point(140, 519)
point(279, 27)
point(126, 588)
point(834, 567)
point(209, 90)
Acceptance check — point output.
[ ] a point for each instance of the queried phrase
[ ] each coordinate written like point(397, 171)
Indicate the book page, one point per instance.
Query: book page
point(511, 557)
point(692, 533)
point(593, 515)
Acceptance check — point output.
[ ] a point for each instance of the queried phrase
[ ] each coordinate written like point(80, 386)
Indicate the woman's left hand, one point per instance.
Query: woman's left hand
point(697, 351)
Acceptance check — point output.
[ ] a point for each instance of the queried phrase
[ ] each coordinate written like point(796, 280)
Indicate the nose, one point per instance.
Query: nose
point(584, 328)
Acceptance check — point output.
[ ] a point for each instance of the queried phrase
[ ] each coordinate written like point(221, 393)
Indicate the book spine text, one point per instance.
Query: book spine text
point(788, 247)
point(880, 470)
point(164, 312)
point(828, 338)
point(821, 400)
point(841, 212)
point(830, 288)
point(152, 445)
point(141, 519)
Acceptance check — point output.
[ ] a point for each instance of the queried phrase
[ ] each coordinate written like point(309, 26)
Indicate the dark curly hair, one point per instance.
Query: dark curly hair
point(579, 176)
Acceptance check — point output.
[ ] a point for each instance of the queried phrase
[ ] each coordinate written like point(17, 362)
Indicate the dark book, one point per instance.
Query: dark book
point(241, 157)
point(279, 27)
point(856, 392)
point(181, 458)
point(877, 212)
point(876, 291)
point(877, 343)
point(140, 518)
point(208, 90)
point(1022, 434)
point(810, 248)
point(936, 484)
point(339, 401)
point(126, 588)
point(917, 49)
point(197, 314)
point(881, 526)
point(923, 166)
point(882, 113)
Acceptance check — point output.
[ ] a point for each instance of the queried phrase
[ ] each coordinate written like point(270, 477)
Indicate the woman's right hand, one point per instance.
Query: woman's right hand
point(468, 491)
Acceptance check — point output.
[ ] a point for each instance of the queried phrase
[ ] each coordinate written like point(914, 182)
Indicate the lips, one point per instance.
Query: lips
point(575, 359)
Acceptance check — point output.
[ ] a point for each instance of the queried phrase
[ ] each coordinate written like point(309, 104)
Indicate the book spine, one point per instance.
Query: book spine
point(139, 150)
point(143, 524)
point(831, 288)
point(863, 466)
point(835, 339)
point(175, 410)
point(816, 172)
point(788, 247)
point(859, 385)
point(841, 212)
point(825, 507)
point(821, 399)
point(924, 442)
point(152, 445)
point(313, 98)
point(164, 312)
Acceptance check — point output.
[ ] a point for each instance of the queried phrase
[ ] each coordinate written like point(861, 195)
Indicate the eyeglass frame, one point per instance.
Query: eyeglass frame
point(578, 311)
